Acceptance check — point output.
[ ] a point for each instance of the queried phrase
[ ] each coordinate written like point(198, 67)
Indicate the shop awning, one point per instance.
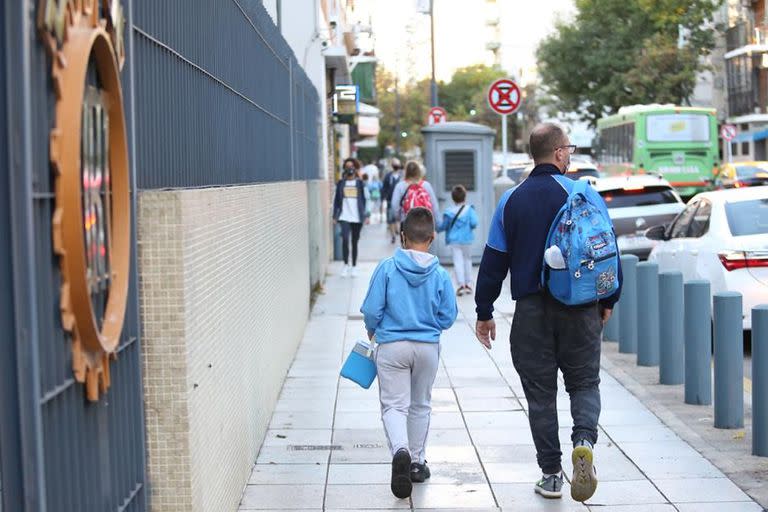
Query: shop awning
point(752, 136)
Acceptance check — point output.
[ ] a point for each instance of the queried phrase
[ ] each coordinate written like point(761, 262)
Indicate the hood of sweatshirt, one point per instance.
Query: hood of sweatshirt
point(416, 266)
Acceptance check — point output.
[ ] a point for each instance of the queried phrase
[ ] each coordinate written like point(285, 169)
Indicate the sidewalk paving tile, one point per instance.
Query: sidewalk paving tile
point(282, 496)
point(289, 474)
point(456, 473)
point(458, 496)
point(357, 474)
point(522, 497)
point(719, 507)
point(629, 492)
point(363, 497)
point(634, 508)
point(693, 490)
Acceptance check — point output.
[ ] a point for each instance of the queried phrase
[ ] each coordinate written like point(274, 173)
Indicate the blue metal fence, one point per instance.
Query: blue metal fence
point(214, 96)
point(220, 97)
point(58, 451)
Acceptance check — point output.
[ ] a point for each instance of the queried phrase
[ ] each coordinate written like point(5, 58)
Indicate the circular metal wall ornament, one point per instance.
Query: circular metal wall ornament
point(89, 156)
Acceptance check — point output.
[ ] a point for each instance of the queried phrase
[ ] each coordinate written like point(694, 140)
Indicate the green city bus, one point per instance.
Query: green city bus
point(679, 143)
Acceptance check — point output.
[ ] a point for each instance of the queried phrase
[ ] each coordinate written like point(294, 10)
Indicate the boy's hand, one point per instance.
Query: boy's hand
point(485, 330)
point(370, 335)
point(605, 314)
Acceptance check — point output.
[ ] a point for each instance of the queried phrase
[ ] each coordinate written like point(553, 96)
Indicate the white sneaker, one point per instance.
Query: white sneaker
point(354, 271)
point(345, 271)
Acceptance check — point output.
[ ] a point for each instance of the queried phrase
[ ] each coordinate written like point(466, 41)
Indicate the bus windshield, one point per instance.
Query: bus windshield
point(678, 128)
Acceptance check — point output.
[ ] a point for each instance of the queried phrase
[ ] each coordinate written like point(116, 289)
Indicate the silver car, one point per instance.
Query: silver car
point(636, 203)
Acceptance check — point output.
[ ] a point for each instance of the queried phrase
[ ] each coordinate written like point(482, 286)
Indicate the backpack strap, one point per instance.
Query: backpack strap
point(453, 222)
point(405, 194)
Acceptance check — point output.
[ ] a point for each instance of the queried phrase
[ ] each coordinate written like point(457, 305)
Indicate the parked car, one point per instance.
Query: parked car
point(579, 169)
point(518, 171)
point(721, 236)
point(743, 174)
point(636, 203)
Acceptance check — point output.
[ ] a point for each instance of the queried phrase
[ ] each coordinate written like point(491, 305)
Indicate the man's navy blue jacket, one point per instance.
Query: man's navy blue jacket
point(517, 237)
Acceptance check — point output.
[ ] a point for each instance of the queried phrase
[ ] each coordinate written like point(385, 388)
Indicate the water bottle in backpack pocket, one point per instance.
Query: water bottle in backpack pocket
point(583, 233)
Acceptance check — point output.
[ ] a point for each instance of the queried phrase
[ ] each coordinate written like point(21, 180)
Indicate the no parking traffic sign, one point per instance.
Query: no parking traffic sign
point(504, 96)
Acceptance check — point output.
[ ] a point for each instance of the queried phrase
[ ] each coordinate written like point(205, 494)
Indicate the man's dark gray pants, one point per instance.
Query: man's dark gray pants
point(547, 335)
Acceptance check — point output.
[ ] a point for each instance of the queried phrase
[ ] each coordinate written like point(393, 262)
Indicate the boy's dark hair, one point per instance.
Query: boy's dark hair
point(458, 194)
point(419, 225)
point(545, 137)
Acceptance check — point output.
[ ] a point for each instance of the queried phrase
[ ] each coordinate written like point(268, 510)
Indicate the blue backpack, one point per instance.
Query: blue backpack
point(583, 232)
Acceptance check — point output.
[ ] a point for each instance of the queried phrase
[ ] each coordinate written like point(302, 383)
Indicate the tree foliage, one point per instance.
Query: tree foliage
point(624, 52)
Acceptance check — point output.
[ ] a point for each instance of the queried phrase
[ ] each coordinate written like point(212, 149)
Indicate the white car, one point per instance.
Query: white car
point(635, 203)
point(722, 237)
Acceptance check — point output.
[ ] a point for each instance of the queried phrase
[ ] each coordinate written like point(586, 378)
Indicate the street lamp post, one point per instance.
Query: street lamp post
point(397, 118)
point(433, 84)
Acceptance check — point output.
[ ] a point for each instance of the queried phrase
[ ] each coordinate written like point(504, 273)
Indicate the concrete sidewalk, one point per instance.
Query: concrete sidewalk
point(326, 450)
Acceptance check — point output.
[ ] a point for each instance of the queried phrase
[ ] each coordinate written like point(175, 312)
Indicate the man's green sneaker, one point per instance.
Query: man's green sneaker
point(584, 481)
point(550, 486)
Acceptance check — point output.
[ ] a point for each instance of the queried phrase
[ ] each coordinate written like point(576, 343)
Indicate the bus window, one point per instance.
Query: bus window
point(677, 128)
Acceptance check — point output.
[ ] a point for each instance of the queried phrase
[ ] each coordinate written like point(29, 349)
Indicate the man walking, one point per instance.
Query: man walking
point(546, 334)
point(391, 179)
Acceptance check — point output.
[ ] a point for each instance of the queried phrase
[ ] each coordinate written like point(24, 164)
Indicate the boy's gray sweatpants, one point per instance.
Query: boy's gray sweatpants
point(406, 371)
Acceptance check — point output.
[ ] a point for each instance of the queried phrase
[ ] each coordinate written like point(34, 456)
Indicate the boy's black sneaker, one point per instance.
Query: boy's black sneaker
point(419, 472)
point(401, 479)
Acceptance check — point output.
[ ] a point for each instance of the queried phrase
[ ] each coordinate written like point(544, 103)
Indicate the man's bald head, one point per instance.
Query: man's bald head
point(545, 139)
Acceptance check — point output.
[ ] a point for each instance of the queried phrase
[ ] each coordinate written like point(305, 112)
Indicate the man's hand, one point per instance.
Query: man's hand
point(370, 335)
point(485, 330)
point(605, 314)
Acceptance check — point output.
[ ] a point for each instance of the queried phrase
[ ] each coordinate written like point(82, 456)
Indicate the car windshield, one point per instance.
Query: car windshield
point(580, 173)
point(751, 171)
point(641, 196)
point(748, 217)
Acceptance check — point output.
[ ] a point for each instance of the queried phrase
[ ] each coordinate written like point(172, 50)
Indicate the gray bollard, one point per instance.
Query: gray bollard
point(698, 343)
point(611, 332)
point(760, 380)
point(648, 314)
point(628, 316)
point(729, 361)
point(671, 338)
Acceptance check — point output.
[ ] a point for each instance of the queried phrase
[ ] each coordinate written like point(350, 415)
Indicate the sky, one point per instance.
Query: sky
point(402, 34)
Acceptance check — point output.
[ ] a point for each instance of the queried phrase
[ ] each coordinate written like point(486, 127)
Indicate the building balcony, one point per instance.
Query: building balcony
point(745, 38)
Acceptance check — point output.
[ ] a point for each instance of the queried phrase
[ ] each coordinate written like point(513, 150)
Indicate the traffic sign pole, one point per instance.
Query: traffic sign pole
point(504, 144)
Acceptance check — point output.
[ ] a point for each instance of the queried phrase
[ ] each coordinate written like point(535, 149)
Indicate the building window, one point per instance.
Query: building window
point(744, 148)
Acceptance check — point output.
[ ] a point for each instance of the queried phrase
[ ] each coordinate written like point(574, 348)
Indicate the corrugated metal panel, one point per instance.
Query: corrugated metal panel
point(220, 98)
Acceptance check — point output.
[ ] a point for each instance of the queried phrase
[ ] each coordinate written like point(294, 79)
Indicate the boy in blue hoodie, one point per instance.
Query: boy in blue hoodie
point(459, 223)
point(410, 301)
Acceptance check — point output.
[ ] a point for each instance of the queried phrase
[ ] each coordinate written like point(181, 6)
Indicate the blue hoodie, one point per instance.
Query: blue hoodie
point(461, 232)
point(410, 298)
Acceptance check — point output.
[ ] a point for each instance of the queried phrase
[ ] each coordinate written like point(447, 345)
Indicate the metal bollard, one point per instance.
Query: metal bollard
point(671, 338)
point(648, 314)
point(729, 361)
point(628, 317)
point(698, 343)
point(611, 332)
point(337, 249)
point(760, 380)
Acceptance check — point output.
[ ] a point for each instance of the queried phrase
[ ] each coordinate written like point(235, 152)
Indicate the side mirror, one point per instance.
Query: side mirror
point(656, 233)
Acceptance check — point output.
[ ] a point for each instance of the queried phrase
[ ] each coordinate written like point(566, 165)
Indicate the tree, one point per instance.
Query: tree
point(623, 52)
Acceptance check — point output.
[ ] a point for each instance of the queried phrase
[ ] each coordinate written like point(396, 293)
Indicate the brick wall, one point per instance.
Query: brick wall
point(224, 279)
